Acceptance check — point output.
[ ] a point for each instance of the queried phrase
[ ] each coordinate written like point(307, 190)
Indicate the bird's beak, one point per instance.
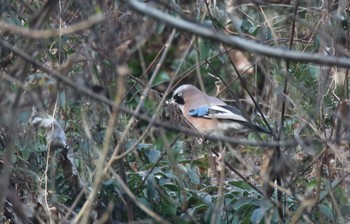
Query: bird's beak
point(170, 102)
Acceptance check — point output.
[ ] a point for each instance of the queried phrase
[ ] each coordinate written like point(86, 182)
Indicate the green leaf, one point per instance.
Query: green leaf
point(207, 199)
point(268, 34)
point(160, 28)
point(134, 179)
point(204, 48)
point(241, 203)
point(153, 155)
point(252, 30)
point(241, 184)
point(23, 117)
point(179, 146)
point(15, 21)
point(168, 209)
point(151, 186)
point(192, 174)
point(13, 159)
point(327, 211)
point(145, 202)
point(62, 98)
point(172, 187)
point(139, 146)
point(345, 210)
point(317, 43)
point(198, 208)
point(314, 71)
point(311, 185)
point(246, 25)
point(109, 182)
point(162, 181)
point(162, 77)
point(209, 212)
point(257, 215)
point(344, 22)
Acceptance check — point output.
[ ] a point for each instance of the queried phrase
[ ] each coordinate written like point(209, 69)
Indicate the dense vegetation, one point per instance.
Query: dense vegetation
point(88, 133)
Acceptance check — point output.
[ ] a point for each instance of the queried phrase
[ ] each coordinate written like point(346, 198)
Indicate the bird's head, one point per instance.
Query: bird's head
point(183, 93)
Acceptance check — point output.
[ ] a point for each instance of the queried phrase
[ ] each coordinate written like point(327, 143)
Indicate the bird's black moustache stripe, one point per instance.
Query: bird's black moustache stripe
point(179, 100)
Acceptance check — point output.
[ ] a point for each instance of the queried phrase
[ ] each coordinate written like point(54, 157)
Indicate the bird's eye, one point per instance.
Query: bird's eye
point(178, 98)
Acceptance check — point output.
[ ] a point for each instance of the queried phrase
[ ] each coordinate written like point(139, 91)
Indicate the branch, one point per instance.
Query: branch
point(137, 202)
point(42, 34)
point(237, 42)
point(167, 125)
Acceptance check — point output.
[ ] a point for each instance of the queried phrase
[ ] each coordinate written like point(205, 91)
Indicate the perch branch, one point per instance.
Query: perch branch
point(43, 34)
point(237, 42)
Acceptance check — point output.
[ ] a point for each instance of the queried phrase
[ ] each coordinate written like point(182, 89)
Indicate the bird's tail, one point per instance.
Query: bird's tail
point(263, 129)
point(258, 128)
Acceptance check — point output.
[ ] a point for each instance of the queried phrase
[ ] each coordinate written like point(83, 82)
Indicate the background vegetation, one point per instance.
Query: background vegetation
point(88, 134)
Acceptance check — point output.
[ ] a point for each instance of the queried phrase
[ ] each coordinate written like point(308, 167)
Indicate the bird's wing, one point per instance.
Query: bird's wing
point(226, 112)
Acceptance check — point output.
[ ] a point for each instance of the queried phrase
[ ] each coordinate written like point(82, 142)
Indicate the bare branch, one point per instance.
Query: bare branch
point(162, 124)
point(43, 34)
point(237, 42)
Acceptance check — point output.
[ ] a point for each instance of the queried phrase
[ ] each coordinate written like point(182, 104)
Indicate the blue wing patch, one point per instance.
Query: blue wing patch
point(199, 112)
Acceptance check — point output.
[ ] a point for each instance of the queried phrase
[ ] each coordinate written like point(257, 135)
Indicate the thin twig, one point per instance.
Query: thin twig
point(101, 98)
point(237, 42)
point(44, 34)
point(135, 200)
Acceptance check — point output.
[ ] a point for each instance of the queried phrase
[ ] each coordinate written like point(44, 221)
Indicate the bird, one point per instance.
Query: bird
point(210, 115)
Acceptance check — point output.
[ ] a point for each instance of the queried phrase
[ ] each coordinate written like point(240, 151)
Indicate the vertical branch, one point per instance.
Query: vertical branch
point(7, 166)
point(277, 153)
point(100, 164)
point(121, 83)
point(19, 69)
point(326, 48)
point(221, 196)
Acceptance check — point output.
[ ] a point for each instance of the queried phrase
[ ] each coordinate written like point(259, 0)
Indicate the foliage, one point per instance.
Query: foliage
point(134, 163)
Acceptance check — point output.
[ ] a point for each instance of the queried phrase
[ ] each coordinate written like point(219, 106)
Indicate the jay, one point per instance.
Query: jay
point(210, 115)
